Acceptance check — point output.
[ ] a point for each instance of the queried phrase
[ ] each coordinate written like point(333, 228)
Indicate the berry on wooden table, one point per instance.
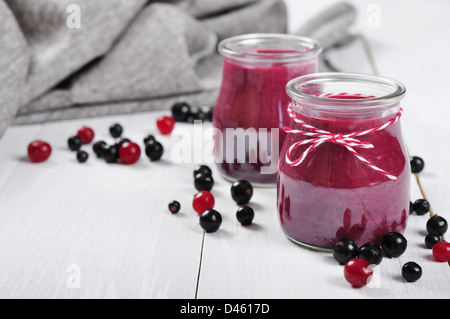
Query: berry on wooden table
point(74, 143)
point(39, 151)
point(210, 221)
point(371, 253)
point(150, 139)
point(154, 151)
point(344, 250)
point(111, 154)
point(165, 125)
point(116, 130)
point(432, 240)
point(203, 201)
point(203, 169)
point(174, 207)
point(82, 156)
point(129, 153)
point(245, 215)
point(181, 111)
point(411, 272)
point(99, 147)
point(203, 182)
point(437, 225)
point(417, 164)
point(394, 245)
point(86, 134)
point(421, 207)
point(441, 251)
point(242, 192)
point(358, 272)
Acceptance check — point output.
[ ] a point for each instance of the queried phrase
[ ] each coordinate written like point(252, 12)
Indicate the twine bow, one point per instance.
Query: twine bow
point(349, 141)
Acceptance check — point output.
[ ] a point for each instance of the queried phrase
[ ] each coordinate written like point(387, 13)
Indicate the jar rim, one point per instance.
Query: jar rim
point(300, 48)
point(397, 90)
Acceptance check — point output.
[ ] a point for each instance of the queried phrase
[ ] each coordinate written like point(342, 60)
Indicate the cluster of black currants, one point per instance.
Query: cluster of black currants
point(184, 113)
point(75, 143)
point(203, 178)
point(437, 226)
point(84, 136)
point(210, 219)
point(153, 149)
point(110, 153)
point(393, 245)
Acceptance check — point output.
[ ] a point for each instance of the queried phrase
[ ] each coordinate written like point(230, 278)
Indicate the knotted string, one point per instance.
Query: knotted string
point(349, 141)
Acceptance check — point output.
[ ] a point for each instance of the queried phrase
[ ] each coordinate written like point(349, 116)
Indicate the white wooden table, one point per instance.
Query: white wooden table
point(103, 231)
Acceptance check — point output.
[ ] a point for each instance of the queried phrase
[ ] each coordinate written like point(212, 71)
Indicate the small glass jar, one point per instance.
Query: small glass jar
point(251, 108)
point(344, 170)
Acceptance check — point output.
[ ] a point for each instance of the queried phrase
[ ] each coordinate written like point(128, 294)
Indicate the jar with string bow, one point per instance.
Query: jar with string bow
point(344, 170)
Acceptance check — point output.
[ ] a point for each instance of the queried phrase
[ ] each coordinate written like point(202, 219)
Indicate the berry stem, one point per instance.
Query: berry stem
point(424, 196)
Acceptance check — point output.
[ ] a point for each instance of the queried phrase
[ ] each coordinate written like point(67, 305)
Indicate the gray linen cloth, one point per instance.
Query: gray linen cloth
point(122, 56)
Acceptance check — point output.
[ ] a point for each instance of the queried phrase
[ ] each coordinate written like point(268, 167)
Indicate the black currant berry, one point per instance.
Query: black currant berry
point(74, 143)
point(202, 169)
point(421, 207)
point(181, 111)
point(122, 141)
point(437, 225)
point(411, 272)
point(394, 245)
point(417, 165)
point(174, 207)
point(371, 253)
point(149, 140)
point(99, 147)
point(242, 192)
point(154, 151)
point(116, 130)
point(432, 240)
point(111, 154)
point(211, 220)
point(245, 215)
point(203, 182)
point(82, 156)
point(345, 250)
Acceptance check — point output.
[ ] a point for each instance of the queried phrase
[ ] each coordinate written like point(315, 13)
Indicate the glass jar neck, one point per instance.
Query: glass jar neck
point(269, 49)
point(346, 96)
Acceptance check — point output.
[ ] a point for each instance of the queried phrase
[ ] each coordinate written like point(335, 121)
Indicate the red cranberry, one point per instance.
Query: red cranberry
point(441, 251)
point(129, 153)
point(39, 151)
point(86, 134)
point(165, 125)
point(203, 201)
point(358, 272)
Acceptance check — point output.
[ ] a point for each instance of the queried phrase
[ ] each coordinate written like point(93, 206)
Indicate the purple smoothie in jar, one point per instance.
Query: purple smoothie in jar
point(332, 194)
point(253, 98)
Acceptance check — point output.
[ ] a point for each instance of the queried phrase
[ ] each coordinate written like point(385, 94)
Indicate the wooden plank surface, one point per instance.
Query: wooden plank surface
point(107, 223)
point(96, 230)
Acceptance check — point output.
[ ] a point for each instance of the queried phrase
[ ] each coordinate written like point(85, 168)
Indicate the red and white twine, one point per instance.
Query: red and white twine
point(349, 141)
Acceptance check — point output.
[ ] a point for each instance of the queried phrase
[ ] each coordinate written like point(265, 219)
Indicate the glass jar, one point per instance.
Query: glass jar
point(344, 170)
point(251, 108)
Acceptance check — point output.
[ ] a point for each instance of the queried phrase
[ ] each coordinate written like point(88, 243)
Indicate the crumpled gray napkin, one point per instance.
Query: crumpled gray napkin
point(127, 56)
point(130, 56)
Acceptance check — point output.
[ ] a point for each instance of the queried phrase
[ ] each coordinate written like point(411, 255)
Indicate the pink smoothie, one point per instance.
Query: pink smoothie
point(254, 96)
point(332, 195)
